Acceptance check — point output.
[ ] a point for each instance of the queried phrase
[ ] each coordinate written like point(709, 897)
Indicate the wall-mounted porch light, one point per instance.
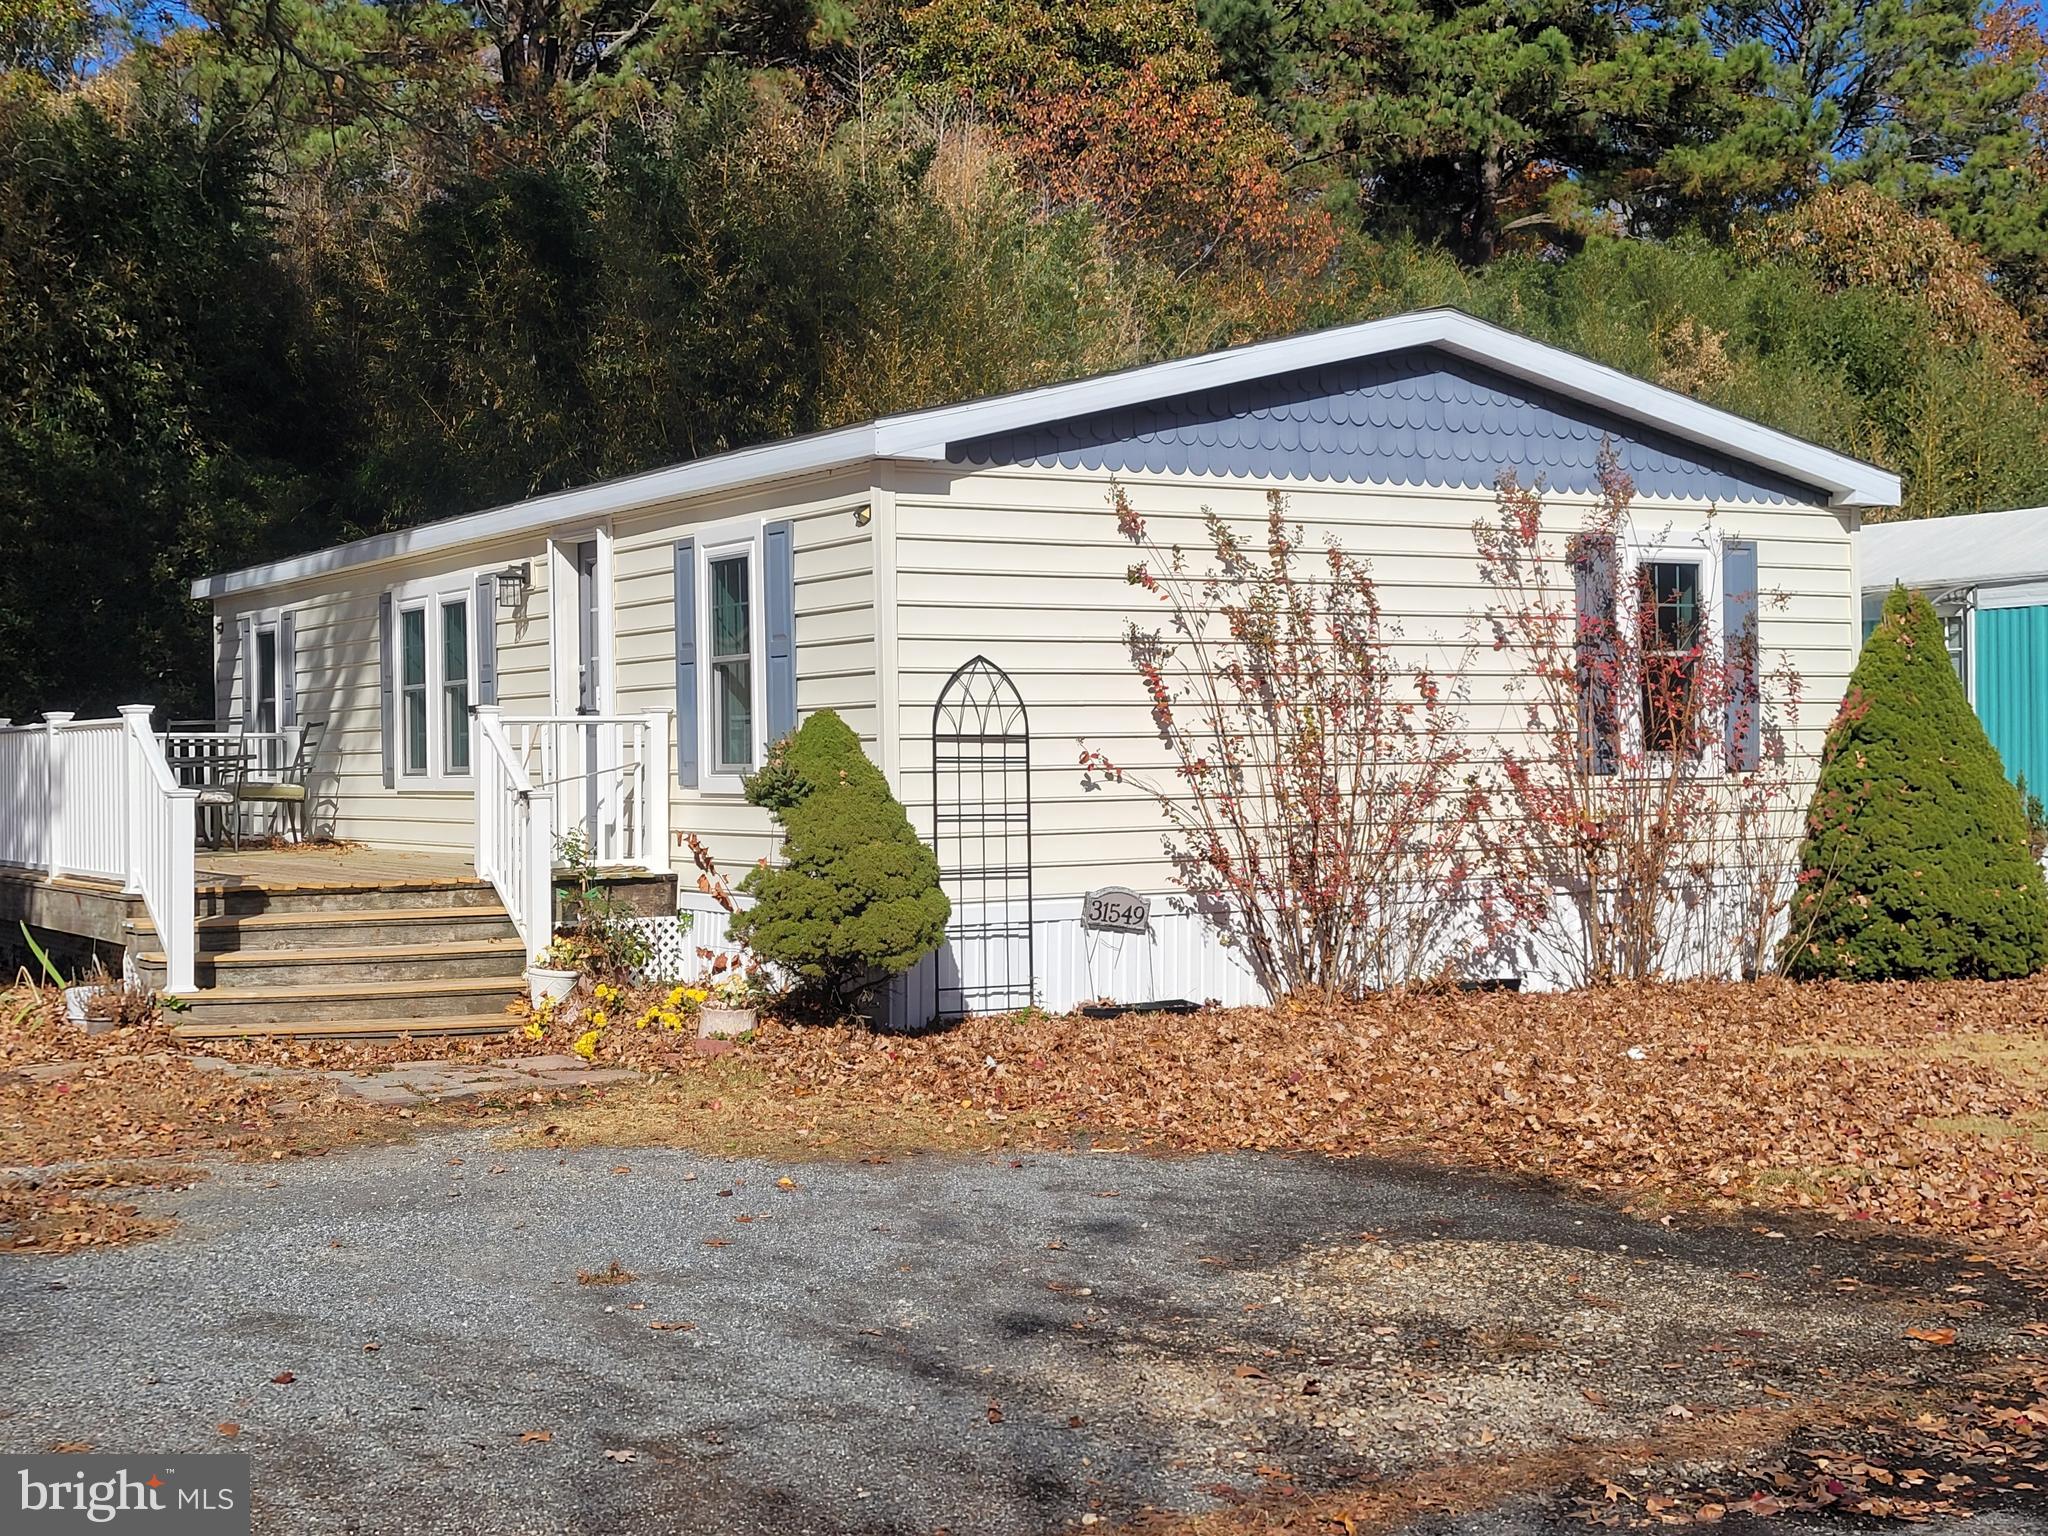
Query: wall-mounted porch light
point(514, 582)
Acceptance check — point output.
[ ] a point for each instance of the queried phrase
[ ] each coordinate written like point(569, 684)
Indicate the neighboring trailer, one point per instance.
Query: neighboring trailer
point(1987, 576)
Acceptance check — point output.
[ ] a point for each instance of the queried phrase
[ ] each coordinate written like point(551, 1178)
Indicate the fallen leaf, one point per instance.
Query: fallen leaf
point(537, 1437)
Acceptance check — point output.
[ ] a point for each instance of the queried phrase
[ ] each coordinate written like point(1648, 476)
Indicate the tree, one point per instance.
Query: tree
point(147, 397)
point(1914, 97)
point(1316, 802)
point(856, 896)
point(1464, 122)
point(1120, 106)
point(1916, 862)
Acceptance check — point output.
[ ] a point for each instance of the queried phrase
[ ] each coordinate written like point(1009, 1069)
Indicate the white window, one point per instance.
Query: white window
point(455, 685)
point(1674, 632)
point(1674, 598)
point(732, 663)
point(265, 713)
point(433, 681)
point(731, 649)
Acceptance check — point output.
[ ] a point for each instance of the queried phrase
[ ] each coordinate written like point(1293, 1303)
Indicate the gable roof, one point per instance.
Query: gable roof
point(1979, 549)
point(928, 435)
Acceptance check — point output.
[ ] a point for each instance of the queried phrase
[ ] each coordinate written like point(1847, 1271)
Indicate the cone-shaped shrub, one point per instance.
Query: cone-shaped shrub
point(857, 893)
point(1915, 863)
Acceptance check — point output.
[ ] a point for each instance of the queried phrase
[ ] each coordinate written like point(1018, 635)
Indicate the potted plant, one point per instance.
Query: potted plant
point(554, 972)
point(731, 1008)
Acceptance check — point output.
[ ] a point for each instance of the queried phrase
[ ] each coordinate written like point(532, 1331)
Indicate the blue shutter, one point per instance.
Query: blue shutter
point(778, 588)
point(1593, 569)
point(224, 668)
point(484, 625)
point(385, 702)
point(248, 674)
point(1739, 629)
point(686, 663)
point(287, 672)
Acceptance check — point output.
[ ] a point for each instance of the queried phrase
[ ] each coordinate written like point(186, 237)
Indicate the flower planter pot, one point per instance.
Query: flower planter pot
point(714, 1023)
point(545, 985)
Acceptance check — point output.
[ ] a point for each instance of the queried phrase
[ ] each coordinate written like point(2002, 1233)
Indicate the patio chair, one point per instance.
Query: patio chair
point(290, 789)
point(219, 776)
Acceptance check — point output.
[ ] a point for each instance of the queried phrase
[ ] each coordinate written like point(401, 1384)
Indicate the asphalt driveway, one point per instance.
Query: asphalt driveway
point(401, 1340)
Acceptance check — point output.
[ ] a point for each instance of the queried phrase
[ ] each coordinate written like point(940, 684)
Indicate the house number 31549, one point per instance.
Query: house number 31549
point(1115, 910)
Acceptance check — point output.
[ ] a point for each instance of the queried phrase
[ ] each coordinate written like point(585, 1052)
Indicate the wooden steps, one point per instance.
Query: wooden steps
point(339, 957)
point(345, 1029)
point(251, 968)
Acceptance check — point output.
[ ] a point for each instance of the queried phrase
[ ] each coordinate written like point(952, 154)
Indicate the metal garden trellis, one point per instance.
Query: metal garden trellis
point(981, 826)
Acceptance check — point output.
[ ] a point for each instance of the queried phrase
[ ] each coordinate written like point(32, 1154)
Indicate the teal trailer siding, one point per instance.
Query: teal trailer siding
point(2012, 689)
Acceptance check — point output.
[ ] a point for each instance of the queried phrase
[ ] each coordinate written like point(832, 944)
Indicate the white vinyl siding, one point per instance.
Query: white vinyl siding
point(1023, 565)
point(336, 650)
point(1026, 566)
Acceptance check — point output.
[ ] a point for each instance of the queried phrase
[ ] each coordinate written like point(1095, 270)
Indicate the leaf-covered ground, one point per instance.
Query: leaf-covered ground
point(1922, 1106)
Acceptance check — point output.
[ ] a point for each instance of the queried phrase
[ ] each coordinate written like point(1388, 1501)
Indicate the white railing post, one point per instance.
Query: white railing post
point(652, 794)
point(487, 769)
point(540, 866)
point(53, 807)
point(160, 834)
point(134, 768)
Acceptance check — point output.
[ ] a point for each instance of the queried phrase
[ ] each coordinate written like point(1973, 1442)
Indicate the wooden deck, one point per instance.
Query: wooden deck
point(325, 866)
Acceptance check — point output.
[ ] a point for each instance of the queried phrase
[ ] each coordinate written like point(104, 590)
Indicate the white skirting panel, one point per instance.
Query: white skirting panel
point(1182, 957)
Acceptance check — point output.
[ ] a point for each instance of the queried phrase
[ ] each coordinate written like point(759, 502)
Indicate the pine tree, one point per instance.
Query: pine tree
point(857, 893)
point(1916, 864)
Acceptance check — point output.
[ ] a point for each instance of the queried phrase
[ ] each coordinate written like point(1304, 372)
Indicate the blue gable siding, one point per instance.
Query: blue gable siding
point(1407, 418)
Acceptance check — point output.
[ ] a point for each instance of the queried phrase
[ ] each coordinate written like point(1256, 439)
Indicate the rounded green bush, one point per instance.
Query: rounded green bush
point(1916, 863)
point(857, 893)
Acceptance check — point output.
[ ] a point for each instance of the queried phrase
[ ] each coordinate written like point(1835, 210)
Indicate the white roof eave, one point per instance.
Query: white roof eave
point(928, 435)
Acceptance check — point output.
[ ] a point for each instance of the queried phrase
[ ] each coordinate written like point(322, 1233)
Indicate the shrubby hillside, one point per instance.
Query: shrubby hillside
point(277, 273)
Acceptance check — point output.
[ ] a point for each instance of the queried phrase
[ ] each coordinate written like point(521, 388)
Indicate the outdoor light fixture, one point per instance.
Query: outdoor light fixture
point(514, 582)
point(862, 516)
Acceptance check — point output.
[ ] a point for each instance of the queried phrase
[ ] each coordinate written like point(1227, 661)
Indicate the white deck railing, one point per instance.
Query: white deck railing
point(163, 828)
point(95, 799)
point(515, 833)
point(609, 775)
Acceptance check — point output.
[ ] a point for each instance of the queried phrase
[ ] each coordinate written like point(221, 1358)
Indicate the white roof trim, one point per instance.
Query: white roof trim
point(1977, 549)
point(926, 434)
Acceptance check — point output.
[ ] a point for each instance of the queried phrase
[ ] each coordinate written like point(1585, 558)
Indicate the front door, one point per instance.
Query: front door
point(583, 755)
point(589, 691)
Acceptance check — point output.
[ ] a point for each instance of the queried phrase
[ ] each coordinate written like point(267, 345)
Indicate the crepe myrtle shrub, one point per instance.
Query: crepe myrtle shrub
point(1316, 801)
point(1916, 863)
point(1642, 803)
point(856, 893)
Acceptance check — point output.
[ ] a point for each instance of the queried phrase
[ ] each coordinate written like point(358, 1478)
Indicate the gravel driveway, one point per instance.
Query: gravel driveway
point(929, 1344)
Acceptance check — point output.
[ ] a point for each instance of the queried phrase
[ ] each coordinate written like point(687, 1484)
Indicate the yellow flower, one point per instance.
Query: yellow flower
point(607, 994)
point(697, 994)
point(598, 1020)
point(586, 1044)
point(533, 1031)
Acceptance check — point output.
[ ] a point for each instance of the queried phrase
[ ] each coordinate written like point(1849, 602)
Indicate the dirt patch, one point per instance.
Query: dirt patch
point(738, 1106)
